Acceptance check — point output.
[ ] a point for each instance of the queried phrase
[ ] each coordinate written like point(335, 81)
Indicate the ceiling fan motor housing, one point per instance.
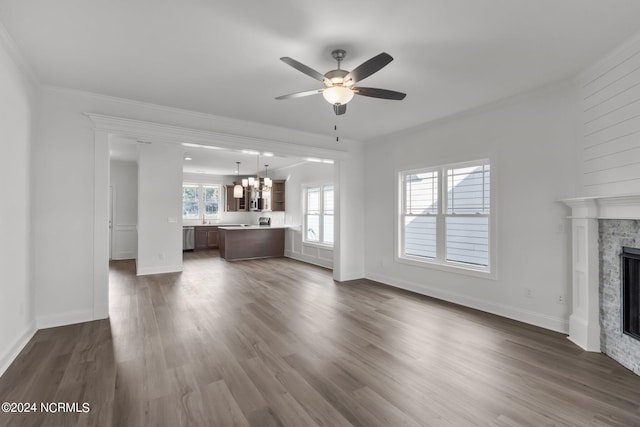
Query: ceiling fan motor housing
point(336, 76)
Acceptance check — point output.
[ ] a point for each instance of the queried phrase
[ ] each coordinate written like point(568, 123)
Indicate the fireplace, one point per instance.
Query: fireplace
point(630, 292)
point(600, 228)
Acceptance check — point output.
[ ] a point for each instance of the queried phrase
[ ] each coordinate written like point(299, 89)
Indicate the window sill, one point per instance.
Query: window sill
point(449, 267)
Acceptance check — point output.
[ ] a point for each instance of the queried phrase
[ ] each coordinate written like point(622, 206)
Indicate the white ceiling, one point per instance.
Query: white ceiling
point(222, 57)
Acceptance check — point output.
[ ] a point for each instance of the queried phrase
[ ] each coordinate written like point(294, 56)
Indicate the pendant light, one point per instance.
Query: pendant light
point(237, 189)
point(267, 181)
point(254, 182)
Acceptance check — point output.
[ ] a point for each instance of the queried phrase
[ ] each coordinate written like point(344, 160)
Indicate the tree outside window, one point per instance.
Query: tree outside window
point(200, 201)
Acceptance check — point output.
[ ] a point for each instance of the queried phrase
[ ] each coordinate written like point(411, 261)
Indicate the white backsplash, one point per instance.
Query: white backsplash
point(277, 218)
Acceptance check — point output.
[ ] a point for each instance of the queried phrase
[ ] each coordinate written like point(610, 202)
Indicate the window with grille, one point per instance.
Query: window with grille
point(318, 214)
point(445, 215)
point(190, 201)
point(200, 201)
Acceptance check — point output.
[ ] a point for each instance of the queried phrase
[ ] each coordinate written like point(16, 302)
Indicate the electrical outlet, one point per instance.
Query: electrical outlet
point(560, 299)
point(528, 293)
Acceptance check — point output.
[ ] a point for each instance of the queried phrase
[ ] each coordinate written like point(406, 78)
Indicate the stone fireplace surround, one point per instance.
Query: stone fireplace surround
point(600, 227)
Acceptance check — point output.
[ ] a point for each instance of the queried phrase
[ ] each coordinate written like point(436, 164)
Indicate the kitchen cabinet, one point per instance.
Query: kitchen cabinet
point(206, 237)
point(240, 243)
point(236, 205)
point(273, 200)
point(278, 195)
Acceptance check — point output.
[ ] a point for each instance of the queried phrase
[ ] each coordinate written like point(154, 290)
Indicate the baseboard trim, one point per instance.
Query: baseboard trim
point(120, 256)
point(63, 319)
point(556, 324)
point(309, 260)
point(145, 271)
point(100, 311)
point(9, 356)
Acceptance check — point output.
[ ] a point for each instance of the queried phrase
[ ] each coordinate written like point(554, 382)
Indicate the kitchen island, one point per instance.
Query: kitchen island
point(251, 242)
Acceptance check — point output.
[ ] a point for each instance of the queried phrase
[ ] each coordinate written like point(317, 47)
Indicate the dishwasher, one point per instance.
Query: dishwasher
point(188, 238)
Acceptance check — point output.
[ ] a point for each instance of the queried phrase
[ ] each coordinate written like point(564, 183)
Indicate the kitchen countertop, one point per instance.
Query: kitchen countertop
point(213, 225)
point(252, 227)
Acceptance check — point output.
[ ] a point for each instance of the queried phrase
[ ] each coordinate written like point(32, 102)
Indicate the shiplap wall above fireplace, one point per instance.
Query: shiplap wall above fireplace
point(610, 126)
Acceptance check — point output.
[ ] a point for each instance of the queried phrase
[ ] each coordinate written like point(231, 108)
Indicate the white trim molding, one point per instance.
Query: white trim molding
point(7, 359)
point(16, 55)
point(584, 322)
point(309, 259)
point(553, 323)
point(145, 271)
point(159, 132)
point(66, 318)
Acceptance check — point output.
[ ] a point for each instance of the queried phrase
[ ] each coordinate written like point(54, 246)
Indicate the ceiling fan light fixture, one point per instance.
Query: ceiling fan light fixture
point(337, 95)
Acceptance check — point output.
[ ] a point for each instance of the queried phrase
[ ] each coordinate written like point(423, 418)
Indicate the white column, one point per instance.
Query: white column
point(348, 250)
point(101, 226)
point(584, 322)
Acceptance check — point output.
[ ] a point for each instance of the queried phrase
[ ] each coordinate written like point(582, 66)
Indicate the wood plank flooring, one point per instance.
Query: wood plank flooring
point(278, 343)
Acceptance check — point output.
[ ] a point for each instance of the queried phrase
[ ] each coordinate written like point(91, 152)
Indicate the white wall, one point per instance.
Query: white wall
point(609, 143)
point(299, 176)
point(159, 208)
point(123, 176)
point(63, 212)
point(530, 140)
point(18, 113)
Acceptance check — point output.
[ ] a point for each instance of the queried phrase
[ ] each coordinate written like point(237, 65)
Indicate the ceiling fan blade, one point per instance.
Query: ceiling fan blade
point(303, 68)
point(379, 93)
point(367, 68)
point(300, 94)
point(339, 109)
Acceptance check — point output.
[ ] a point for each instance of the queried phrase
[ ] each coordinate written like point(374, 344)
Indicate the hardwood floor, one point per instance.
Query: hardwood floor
point(277, 342)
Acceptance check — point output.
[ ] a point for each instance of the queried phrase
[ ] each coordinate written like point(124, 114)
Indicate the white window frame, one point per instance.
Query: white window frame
point(321, 242)
point(440, 262)
point(190, 218)
point(201, 211)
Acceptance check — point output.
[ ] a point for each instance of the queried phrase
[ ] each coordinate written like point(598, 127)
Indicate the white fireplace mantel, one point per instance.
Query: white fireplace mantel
point(584, 322)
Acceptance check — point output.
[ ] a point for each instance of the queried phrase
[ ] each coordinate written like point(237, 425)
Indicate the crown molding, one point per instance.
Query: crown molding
point(231, 125)
point(9, 44)
point(163, 133)
point(628, 48)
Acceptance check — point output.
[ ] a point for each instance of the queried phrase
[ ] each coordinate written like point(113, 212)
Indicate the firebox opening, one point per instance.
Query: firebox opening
point(630, 258)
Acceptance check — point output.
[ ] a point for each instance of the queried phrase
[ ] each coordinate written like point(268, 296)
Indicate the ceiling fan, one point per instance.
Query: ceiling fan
point(339, 84)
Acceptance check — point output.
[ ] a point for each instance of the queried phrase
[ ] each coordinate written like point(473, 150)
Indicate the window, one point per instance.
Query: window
point(445, 215)
point(190, 201)
point(200, 201)
point(318, 214)
point(210, 200)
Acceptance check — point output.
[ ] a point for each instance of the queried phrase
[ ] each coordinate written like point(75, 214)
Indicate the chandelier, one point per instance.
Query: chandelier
point(254, 183)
